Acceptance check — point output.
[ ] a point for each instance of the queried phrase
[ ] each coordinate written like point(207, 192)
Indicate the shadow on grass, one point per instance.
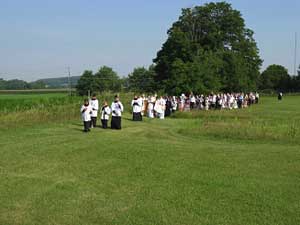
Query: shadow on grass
point(127, 118)
point(77, 124)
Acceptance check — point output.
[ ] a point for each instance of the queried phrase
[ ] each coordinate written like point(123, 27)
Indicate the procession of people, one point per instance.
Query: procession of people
point(89, 113)
point(161, 106)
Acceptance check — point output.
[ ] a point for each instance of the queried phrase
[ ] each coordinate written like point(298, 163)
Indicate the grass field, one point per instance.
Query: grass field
point(223, 167)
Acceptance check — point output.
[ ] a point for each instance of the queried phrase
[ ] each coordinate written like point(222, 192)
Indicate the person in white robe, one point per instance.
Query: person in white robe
point(202, 102)
point(231, 102)
point(174, 104)
point(214, 101)
point(95, 107)
point(144, 105)
point(105, 113)
point(207, 105)
point(182, 102)
point(86, 111)
point(137, 106)
point(160, 107)
point(117, 109)
point(256, 98)
point(235, 103)
point(151, 103)
point(192, 101)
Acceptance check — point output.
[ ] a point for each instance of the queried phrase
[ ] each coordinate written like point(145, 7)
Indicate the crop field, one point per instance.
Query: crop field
point(239, 167)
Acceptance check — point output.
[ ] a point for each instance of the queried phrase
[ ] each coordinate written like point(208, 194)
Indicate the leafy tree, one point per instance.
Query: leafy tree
point(142, 80)
point(107, 80)
point(275, 77)
point(86, 83)
point(212, 38)
point(104, 80)
point(16, 84)
point(37, 85)
point(124, 82)
point(295, 82)
point(2, 84)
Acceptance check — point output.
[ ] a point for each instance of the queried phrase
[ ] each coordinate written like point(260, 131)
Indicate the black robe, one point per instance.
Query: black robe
point(116, 122)
point(168, 108)
point(137, 116)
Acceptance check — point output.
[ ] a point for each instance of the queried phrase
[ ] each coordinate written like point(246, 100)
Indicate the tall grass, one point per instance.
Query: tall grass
point(21, 105)
point(257, 123)
point(20, 110)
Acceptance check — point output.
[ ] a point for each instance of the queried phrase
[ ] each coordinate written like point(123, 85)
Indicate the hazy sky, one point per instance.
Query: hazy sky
point(40, 38)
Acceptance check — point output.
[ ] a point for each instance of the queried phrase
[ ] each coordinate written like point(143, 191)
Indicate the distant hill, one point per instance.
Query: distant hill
point(59, 82)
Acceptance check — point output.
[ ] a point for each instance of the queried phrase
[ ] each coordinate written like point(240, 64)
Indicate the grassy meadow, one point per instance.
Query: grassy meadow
point(216, 168)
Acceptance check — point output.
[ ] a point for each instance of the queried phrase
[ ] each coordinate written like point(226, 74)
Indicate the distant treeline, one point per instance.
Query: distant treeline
point(277, 78)
point(142, 80)
point(16, 84)
point(106, 80)
point(49, 83)
point(60, 82)
point(208, 49)
point(40, 91)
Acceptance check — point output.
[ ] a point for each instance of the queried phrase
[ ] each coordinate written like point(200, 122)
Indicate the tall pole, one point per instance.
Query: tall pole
point(69, 81)
point(295, 55)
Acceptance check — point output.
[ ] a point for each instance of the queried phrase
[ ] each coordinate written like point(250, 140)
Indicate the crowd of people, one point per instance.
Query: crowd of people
point(89, 112)
point(161, 107)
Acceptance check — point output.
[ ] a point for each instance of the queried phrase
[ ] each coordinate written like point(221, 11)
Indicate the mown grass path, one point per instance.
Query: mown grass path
point(238, 167)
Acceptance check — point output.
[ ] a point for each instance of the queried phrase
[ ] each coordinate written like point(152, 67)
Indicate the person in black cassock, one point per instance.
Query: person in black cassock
point(168, 107)
point(117, 109)
point(137, 107)
point(280, 96)
point(105, 112)
point(95, 106)
point(86, 111)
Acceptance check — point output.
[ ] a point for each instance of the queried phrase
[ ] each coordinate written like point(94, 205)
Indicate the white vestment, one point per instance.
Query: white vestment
point(105, 112)
point(117, 108)
point(95, 107)
point(86, 113)
point(137, 105)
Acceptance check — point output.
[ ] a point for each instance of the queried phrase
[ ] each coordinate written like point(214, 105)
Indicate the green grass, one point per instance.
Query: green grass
point(229, 167)
point(23, 102)
point(23, 96)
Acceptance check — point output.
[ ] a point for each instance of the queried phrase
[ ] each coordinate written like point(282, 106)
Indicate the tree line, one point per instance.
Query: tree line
point(48, 83)
point(274, 78)
point(106, 79)
point(209, 49)
point(277, 78)
point(16, 84)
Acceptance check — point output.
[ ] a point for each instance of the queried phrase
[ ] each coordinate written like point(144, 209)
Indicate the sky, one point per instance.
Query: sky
point(41, 39)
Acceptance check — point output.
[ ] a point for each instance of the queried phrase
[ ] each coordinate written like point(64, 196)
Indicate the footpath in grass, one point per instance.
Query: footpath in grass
point(183, 170)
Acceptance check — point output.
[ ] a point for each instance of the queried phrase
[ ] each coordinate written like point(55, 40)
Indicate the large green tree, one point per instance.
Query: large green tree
point(86, 83)
point(104, 80)
point(295, 84)
point(2, 84)
point(275, 77)
point(107, 80)
point(16, 84)
point(37, 85)
point(208, 49)
point(296, 81)
point(142, 80)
